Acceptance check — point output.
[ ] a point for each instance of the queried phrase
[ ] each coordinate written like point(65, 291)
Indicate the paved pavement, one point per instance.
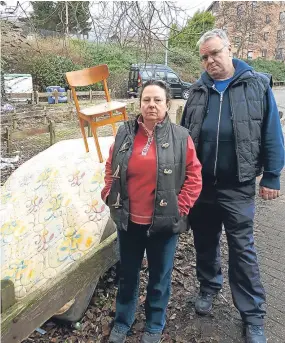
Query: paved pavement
point(279, 93)
point(270, 242)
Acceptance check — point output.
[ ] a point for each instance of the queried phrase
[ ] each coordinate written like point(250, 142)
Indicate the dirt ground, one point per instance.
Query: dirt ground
point(183, 325)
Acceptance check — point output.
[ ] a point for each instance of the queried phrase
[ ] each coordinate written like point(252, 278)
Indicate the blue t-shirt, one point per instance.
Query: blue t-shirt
point(222, 85)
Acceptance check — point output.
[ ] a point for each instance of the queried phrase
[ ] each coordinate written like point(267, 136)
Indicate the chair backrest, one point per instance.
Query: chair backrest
point(87, 76)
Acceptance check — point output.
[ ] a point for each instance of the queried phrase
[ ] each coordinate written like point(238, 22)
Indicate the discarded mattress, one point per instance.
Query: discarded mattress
point(52, 213)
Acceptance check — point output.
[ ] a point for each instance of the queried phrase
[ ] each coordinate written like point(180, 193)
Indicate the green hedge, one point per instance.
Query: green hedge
point(275, 68)
point(48, 68)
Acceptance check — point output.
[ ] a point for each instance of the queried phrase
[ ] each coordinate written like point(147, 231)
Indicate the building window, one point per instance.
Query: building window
point(240, 9)
point(265, 36)
point(263, 53)
point(282, 16)
point(216, 6)
point(237, 41)
point(280, 54)
point(253, 4)
point(249, 55)
point(238, 24)
point(267, 19)
point(280, 34)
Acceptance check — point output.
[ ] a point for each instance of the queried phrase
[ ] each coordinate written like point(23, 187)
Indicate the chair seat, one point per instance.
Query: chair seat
point(105, 107)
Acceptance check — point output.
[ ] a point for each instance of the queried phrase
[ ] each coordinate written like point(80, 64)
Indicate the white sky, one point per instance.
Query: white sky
point(190, 7)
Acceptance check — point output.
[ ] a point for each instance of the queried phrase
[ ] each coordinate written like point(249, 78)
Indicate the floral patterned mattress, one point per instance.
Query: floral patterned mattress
point(52, 213)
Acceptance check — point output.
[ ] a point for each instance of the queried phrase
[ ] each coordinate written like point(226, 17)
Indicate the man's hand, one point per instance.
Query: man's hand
point(268, 194)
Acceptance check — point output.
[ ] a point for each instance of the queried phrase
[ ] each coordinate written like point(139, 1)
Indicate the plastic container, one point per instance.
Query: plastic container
point(61, 98)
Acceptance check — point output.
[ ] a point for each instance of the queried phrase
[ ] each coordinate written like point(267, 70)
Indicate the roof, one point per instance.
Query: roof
point(210, 7)
point(150, 65)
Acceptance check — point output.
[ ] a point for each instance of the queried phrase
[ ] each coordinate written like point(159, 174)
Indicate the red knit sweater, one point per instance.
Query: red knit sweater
point(141, 179)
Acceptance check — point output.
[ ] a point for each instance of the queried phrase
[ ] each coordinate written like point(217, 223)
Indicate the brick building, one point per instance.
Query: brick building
point(256, 29)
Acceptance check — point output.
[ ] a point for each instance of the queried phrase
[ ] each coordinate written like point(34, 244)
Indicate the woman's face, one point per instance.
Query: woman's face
point(153, 103)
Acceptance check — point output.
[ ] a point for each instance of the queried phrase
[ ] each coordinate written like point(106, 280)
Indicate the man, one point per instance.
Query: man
point(232, 117)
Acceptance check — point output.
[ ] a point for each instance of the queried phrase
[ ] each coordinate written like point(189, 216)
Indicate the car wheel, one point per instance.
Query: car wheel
point(185, 94)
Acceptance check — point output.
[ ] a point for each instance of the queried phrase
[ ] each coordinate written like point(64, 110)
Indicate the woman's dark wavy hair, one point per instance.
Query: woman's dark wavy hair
point(160, 84)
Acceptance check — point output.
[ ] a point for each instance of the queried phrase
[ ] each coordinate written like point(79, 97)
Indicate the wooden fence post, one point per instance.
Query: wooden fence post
point(55, 93)
point(8, 139)
point(52, 132)
point(68, 95)
point(90, 94)
point(33, 98)
point(179, 115)
point(37, 98)
point(45, 115)
point(14, 120)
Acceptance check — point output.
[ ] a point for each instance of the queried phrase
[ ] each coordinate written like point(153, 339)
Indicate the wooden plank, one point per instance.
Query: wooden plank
point(17, 135)
point(20, 320)
point(19, 95)
point(7, 295)
point(278, 83)
point(82, 93)
point(98, 93)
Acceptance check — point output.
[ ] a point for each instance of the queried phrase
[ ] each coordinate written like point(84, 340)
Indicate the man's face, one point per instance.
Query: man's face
point(215, 57)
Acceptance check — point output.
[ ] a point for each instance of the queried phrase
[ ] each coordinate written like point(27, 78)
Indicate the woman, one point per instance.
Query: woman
point(153, 178)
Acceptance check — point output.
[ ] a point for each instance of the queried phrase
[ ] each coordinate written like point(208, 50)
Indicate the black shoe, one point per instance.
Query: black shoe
point(255, 334)
point(204, 303)
point(117, 336)
point(151, 337)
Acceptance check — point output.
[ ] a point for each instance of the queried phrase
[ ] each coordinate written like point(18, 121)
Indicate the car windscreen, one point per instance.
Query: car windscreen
point(171, 77)
point(146, 74)
point(159, 75)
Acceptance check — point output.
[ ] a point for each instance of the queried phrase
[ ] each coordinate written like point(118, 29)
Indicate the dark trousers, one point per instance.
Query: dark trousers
point(160, 249)
point(234, 208)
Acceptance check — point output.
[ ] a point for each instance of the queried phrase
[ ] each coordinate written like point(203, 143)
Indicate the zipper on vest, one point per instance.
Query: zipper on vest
point(155, 192)
point(218, 131)
point(236, 137)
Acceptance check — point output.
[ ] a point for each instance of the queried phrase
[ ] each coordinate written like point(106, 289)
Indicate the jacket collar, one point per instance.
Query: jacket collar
point(160, 128)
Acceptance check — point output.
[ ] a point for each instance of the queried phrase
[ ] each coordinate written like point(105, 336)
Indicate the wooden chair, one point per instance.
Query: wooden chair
point(86, 77)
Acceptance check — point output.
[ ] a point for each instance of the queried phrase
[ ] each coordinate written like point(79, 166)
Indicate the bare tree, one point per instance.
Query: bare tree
point(140, 24)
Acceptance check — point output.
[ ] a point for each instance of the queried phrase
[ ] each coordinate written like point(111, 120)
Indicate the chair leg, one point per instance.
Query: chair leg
point(125, 114)
point(81, 123)
point(94, 132)
point(114, 129)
